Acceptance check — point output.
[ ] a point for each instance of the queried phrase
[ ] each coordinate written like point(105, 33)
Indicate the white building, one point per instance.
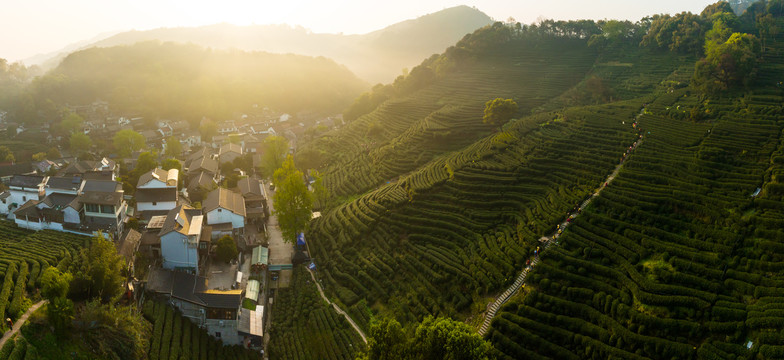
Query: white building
point(225, 210)
point(157, 190)
point(21, 189)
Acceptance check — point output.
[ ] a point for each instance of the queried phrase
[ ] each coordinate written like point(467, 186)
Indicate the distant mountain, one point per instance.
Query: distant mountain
point(739, 6)
point(378, 56)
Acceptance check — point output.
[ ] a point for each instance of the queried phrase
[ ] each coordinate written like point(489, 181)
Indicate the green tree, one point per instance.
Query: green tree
point(386, 340)
point(59, 313)
point(173, 147)
point(54, 284)
point(127, 141)
point(292, 200)
point(226, 249)
point(100, 270)
point(70, 124)
point(443, 338)
point(498, 111)
point(54, 287)
point(80, 143)
point(53, 153)
point(146, 162)
point(39, 156)
point(208, 129)
point(320, 193)
point(6, 155)
point(729, 64)
point(273, 152)
point(171, 164)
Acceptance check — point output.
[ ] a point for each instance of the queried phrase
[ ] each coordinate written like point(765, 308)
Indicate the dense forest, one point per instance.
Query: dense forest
point(434, 211)
point(177, 81)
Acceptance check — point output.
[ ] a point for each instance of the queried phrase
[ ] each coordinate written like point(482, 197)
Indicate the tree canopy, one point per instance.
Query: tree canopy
point(227, 249)
point(80, 143)
point(434, 338)
point(292, 200)
point(273, 153)
point(728, 64)
point(127, 141)
point(173, 147)
point(99, 271)
point(498, 111)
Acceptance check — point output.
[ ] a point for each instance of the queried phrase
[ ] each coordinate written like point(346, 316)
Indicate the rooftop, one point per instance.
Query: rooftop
point(156, 195)
point(226, 199)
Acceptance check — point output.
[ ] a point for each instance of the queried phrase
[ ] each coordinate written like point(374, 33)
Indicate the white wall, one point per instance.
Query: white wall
point(20, 197)
point(220, 216)
point(49, 191)
point(176, 252)
point(161, 205)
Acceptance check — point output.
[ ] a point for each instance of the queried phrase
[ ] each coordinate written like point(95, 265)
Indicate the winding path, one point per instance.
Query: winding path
point(18, 324)
point(338, 309)
point(549, 240)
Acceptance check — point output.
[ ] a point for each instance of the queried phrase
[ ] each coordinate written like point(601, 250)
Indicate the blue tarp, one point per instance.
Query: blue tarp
point(312, 266)
point(301, 239)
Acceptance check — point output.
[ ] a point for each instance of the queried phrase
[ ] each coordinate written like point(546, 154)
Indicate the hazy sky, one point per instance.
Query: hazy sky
point(30, 27)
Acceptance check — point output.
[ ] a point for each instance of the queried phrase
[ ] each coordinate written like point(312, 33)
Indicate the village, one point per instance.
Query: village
point(170, 229)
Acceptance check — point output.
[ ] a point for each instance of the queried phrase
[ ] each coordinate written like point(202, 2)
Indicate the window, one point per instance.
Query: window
point(219, 210)
point(91, 208)
point(202, 245)
point(107, 209)
point(24, 198)
point(217, 334)
point(154, 203)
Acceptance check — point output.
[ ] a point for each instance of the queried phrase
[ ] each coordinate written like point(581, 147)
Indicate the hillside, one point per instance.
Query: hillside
point(378, 56)
point(188, 81)
point(436, 212)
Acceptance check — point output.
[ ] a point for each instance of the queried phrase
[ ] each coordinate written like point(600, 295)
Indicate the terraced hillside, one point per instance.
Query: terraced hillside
point(442, 110)
point(681, 257)
point(462, 225)
point(304, 326)
point(23, 257)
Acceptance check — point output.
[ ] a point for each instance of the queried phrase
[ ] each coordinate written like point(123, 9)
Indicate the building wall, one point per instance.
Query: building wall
point(20, 197)
point(70, 215)
point(220, 216)
point(50, 191)
point(33, 224)
point(177, 253)
point(161, 205)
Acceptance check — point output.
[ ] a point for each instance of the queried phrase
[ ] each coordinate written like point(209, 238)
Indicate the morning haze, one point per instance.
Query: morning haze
point(401, 180)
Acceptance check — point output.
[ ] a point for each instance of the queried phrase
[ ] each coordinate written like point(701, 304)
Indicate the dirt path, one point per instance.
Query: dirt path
point(338, 309)
point(18, 324)
point(546, 241)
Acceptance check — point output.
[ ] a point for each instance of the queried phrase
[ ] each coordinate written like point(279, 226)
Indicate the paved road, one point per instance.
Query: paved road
point(280, 251)
point(550, 240)
point(18, 324)
point(338, 309)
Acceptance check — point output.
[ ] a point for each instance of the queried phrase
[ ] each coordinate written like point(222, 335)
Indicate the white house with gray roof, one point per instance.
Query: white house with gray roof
point(225, 210)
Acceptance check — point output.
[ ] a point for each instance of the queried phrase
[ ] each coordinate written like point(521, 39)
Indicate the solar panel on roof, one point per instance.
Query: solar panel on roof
point(156, 222)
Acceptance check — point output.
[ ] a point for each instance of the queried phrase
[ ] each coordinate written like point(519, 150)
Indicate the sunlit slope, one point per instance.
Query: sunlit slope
point(408, 131)
point(678, 258)
point(459, 227)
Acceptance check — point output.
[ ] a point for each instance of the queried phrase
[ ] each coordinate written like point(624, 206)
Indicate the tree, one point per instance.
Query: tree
point(173, 147)
point(6, 155)
point(444, 338)
point(498, 111)
point(227, 249)
point(208, 129)
point(292, 200)
point(54, 283)
point(53, 153)
point(728, 64)
point(80, 143)
point(127, 141)
point(320, 193)
point(386, 340)
point(39, 156)
point(146, 162)
point(70, 124)
point(434, 338)
point(54, 287)
point(99, 271)
point(169, 164)
point(273, 152)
